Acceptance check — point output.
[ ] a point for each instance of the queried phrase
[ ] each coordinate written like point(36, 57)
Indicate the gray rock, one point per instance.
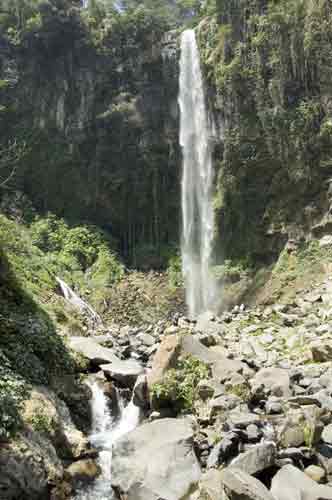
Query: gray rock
point(222, 451)
point(82, 471)
point(141, 393)
point(273, 406)
point(324, 396)
point(304, 400)
point(125, 372)
point(273, 381)
point(254, 434)
point(292, 484)
point(242, 420)
point(327, 434)
point(256, 459)
point(28, 466)
point(224, 369)
point(205, 389)
point(92, 350)
point(315, 473)
point(210, 487)
point(239, 485)
point(146, 339)
point(156, 461)
point(223, 403)
point(321, 351)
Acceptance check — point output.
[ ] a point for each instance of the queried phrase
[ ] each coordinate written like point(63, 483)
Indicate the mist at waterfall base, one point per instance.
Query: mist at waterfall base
point(197, 182)
point(105, 432)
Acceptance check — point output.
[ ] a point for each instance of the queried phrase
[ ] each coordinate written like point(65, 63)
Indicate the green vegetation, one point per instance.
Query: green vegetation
point(31, 349)
point(178, 389)
point(277, 146)
point(42, 423)
point(231, 272)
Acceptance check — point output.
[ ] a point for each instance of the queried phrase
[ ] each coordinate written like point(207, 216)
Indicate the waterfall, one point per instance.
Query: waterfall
point(197, 181)
point(77, 302)
point(105, 432)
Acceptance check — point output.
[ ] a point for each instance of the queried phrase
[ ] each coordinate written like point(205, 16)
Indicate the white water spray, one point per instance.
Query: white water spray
point(105, 432)
point(197, 181)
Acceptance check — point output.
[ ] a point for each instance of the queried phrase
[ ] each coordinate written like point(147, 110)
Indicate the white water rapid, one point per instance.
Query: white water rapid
point(197, 181)
point(105, 431)
point(77, 302)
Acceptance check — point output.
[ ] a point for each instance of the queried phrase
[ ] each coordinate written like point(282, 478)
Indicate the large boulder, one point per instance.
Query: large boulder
point(156, 461)
point(125, 372)
point(29, 466)
point(292, 484)
point(45, 413)
point(209, 487)
point(238, 485)
point(165, 358)
point(82, 471)
point(274, 381)
point(256, 459)
point(91, 350)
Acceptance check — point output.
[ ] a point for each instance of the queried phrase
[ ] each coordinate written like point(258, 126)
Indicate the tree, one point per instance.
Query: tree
point(10, 156)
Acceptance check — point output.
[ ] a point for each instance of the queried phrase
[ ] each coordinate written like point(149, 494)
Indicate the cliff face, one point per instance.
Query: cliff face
point(268, 66)
point(99, 112)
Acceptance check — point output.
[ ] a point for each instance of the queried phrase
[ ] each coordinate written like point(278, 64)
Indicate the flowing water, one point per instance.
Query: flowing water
point(197, 181)
point(77, 302)
point(105, 431)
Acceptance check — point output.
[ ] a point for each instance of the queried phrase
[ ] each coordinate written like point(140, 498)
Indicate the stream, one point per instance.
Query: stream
point(105, 431)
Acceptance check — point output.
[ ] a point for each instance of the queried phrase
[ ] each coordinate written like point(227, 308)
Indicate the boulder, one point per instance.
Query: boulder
point(224, 369)
point(274, 381)
point(141, 393)
point(327, 434)
point(156, 461)
point(83, 471)
point(210, 487)
point(256, 459)
point(165, 358)
point(28, 467)
point(125, 372)
point(222, 451)
point(292, 484)
point(44, 412)
point(91, 350)
point(316, 473)
point(238, 485)
point(321, 351)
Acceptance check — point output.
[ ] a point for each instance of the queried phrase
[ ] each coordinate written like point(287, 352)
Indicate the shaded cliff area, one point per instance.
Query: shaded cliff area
point(95, 98)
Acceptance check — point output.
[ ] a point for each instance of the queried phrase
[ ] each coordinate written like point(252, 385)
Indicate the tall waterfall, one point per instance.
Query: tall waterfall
point(197, 181)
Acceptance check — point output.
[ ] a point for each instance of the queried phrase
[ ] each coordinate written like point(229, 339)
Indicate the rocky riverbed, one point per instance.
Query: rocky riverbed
point(258, 426)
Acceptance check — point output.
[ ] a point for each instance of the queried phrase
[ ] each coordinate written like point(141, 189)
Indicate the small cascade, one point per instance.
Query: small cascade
point(196, 130)
point(105, 432)
point(77, 302)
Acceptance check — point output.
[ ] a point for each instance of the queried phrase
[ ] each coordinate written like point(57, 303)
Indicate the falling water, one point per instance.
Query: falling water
point(77, 302)
point(197, 181)
point(104, 434)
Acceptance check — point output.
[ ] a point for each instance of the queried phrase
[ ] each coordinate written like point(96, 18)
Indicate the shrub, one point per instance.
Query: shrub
point(178, 389)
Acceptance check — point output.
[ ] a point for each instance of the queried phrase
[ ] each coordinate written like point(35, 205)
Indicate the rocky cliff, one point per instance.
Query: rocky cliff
point(268, 66)
point(97, 104)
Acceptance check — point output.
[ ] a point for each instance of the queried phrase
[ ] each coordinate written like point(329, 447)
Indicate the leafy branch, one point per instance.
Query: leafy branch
point(10, 157)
